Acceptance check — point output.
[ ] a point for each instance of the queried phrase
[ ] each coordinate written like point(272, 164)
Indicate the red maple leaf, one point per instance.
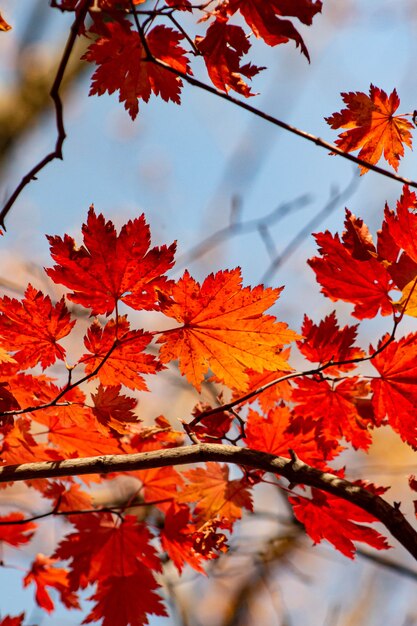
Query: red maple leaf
point(395, 391)
point(328, 517)
point(101, 548)
point(123, 64)
point(13, 621)
point(31, 328)
point(335, 409)
point(17, 533)
point(403, 225)
point(119, 353)
point(113, 410)
point(223, 327)
point(326, 342)
point(350, 270)
point(177, 538)
point(44, 573)
point(372, 126)
point(273, 434)
point(126, 600)
point(265, 18)
point(214, 494)
point(110, 267)
point(222, 48)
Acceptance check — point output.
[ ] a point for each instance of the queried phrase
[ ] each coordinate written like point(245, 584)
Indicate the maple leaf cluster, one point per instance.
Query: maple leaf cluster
point(137, 61)
point(220, 331)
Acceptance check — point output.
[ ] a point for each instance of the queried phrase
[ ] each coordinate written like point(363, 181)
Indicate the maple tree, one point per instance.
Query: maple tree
point(67, 436)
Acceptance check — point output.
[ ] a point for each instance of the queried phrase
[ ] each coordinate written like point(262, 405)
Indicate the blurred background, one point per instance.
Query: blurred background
point(232, 190)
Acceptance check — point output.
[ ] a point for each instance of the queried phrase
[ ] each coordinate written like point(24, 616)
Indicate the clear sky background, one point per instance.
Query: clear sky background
point(186, 166)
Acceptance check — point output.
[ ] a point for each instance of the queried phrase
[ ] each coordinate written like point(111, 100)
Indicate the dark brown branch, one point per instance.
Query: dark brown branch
point(276, 122)
point(55, 95)
point(294, 470)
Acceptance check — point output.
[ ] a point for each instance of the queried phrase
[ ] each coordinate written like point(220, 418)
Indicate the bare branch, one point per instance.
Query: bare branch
point(55, 95)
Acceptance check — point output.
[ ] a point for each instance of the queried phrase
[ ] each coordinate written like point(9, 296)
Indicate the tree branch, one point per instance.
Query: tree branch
point(288, 127)
point(294, 470)
point(55, 95)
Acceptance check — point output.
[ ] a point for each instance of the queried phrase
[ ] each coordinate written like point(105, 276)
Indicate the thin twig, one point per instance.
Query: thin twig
point(55, 95)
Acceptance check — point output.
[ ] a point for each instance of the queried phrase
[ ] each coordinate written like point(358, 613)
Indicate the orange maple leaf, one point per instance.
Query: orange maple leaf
point(44, 573)
point(224, 328)
point(113, 410)
point(215, 494)
point(123, 64)
point(372, 126)
point(31, 328)
point(110, 266)
point(68, 497)
point(120, 351)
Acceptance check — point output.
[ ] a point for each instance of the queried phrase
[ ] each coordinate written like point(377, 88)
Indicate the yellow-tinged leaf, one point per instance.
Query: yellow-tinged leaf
point(224, 328)
point(408, 301)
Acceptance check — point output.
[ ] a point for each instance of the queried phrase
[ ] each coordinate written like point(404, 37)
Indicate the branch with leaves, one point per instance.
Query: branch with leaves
point(293, 424)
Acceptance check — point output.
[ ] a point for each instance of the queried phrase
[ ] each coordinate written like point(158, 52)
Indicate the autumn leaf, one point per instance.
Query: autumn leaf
point(126, 600)
point(222, 48)
point(268, 398)
point(123, 65)
point(325, 342)
point(212, 428)
point(336, 409)
point(273, 434)
point(160, 485)
point(101, 548)
point(265, 18)
point(349, 269)
point(327, 517)
point(214, 494)
point(17, 532)
point(110, 267)
point(372, 126)
point(223, 328)
point(80, 440)
point(43, 574)
point(177, 538)
point(395, 390)
point(13, 621)
point(31, 328)
point(4, 26)
point(68, 497)
point(119, 353)
point(113, 410)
